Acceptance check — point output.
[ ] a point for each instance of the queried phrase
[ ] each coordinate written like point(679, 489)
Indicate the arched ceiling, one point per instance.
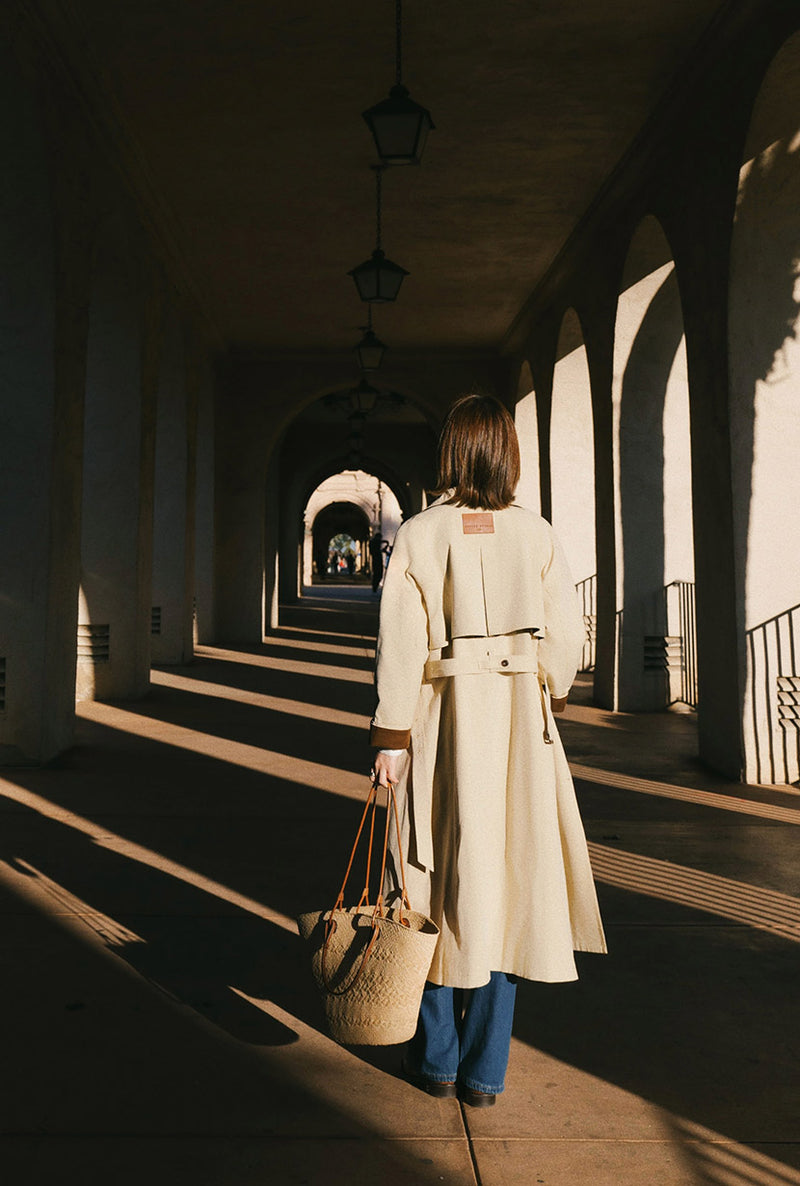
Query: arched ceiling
point(247, 118)
point(341, 516)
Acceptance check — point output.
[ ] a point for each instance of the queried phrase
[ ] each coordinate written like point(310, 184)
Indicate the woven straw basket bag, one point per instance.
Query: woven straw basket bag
point(370, 962)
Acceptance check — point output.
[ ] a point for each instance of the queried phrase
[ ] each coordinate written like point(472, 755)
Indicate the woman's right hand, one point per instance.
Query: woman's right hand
point(386, 768)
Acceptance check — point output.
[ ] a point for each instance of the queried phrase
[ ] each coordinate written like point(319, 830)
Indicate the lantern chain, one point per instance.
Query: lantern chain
point(398, 39)
point(378, 198)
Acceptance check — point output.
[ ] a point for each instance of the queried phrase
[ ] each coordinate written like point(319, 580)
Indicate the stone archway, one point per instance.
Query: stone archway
point(652, 460)
point(395, 444)
point(338, 518)
point(764, 354)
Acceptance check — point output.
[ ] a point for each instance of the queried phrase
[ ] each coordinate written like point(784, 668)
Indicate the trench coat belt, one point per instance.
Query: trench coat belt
point(473, 665)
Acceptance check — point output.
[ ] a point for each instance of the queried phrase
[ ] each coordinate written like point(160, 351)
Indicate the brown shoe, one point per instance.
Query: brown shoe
point(476, 1099)
point(441, 1091)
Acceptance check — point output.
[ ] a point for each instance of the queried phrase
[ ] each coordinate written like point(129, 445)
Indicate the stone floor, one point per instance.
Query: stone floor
point(160, 1021)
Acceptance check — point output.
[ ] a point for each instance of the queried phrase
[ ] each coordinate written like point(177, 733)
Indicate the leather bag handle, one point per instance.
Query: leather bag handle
point(378, 912)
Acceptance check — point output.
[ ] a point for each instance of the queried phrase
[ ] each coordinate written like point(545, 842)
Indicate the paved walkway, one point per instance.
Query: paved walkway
point(160, 1025)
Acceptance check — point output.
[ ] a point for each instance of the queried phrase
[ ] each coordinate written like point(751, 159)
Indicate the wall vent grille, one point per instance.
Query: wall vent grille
point(663, 652)
point(789, 701)
point(94, 643)
point(155, 620)
point(2, 684)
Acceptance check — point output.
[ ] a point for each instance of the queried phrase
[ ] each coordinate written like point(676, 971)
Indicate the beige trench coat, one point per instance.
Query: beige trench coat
point(479, 626)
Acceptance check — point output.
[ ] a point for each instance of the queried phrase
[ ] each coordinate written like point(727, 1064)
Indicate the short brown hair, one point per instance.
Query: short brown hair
point(478, 454)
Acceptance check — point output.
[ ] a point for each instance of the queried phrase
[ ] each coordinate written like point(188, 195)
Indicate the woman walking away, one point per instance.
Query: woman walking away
point(480, 637)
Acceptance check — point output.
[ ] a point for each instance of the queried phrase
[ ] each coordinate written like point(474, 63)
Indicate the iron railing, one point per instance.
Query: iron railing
point(773, 708)
point(587, 597)
point(682, 622)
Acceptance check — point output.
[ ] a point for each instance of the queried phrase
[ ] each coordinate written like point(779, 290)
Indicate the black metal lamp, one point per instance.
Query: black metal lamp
point(363, 399)
point(370, 350)
point(399, 126)
point(378, 279)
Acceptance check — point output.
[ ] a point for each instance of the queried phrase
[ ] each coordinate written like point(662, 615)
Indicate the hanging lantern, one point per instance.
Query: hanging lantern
point(399, 126)
point(364, 398)
point(378, 279)
point(370, 350)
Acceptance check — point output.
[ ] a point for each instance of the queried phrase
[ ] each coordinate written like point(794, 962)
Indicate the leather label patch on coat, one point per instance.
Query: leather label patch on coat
point(479, 523)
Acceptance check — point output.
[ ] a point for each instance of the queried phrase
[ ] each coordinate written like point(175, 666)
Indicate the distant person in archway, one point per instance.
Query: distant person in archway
point(376, 554)
point(321, 559)
point(479, 643)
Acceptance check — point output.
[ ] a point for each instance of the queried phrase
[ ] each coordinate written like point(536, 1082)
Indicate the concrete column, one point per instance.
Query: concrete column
point(173, 526)
point(204, 506)
point(572, 467)
point(308, 548)
point(527, 422)
point(113, 615)
point(698, 247)
point(290, 536)
point(598, 321)
point(242, 449)
point(44, 270)
point(271, 545)
point(542, 355)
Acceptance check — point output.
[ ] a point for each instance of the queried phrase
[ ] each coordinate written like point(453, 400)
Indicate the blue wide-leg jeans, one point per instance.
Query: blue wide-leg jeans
point(464, 1035)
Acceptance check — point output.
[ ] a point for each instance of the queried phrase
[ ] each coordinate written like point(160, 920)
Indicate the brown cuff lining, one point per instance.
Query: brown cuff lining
point(389, 738)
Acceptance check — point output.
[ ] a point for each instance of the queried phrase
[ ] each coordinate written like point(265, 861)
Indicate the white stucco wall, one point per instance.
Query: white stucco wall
point(765, 411)
point(527, 422)
point(572, 455)
point(652, 477)
point(679, 535)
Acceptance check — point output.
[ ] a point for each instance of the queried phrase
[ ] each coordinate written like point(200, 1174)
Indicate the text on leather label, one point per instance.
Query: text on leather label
point(480, 523)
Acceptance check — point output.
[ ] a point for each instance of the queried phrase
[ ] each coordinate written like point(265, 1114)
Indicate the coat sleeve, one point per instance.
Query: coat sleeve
point(401, 653)
point(565, 630)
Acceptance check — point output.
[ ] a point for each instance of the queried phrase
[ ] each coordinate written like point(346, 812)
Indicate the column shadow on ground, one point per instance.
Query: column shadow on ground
point(278, 843)
point(330, 618)
point(673, 1012)
point(351, 695)
point(109, 1076)
point(345, 747)
point(698, 1019)
point(274, 648)
point(358, 640)
point(684, 1002)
